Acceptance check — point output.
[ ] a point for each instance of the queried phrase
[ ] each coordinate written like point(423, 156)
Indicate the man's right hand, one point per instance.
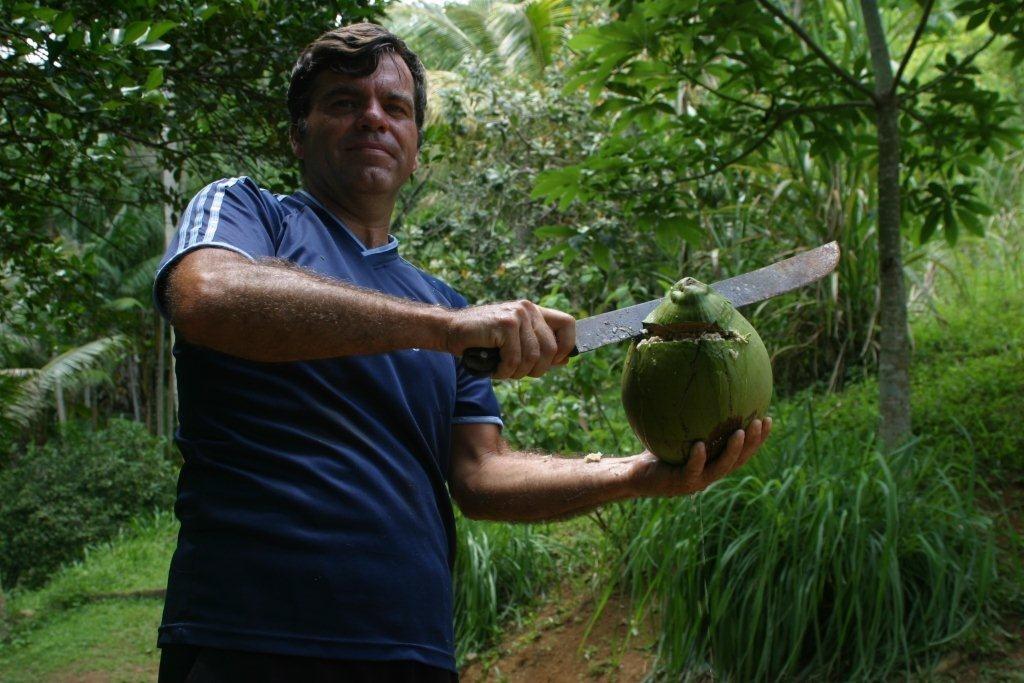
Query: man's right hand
point(529, 338)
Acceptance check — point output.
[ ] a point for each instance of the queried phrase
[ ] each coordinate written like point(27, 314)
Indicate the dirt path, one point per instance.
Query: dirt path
point(552, 649)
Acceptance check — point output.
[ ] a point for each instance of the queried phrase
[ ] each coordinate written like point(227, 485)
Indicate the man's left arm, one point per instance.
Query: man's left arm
point(491, 481)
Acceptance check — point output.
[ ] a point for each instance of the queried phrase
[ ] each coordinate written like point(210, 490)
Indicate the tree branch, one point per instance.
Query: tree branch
point(781, 119)
point(804, 36)
point(912, 47)
point(952, 72)
point(729, 98)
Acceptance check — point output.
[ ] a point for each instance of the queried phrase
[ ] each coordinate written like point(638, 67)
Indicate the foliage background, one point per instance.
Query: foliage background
point(562, 135)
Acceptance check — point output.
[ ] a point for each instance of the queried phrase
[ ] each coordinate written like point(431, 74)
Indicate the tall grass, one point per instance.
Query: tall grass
point(825, 561)
point(499, 568)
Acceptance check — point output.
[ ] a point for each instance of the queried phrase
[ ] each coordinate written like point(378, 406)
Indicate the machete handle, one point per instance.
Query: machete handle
point(480, 361)
point(483, 362)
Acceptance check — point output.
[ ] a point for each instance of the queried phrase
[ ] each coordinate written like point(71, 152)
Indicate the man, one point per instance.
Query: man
point(323, 414)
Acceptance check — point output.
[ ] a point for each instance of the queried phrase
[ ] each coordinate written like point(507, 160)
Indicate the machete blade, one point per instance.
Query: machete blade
point(758, 285)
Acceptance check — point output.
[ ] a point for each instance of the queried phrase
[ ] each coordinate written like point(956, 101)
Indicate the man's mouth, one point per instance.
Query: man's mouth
point(371, 146)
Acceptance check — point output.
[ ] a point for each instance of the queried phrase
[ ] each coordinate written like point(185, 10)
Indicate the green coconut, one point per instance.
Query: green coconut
point(700, 373)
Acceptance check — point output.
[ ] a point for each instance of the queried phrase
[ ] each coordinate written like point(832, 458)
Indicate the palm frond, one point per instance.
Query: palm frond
point(440, 42)
point(139, 279)
point(527, 32)
point(74, 367)
point(520, 37)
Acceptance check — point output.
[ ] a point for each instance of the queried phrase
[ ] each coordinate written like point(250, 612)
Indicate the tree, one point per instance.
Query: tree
point(106, 110)
point(695, 88)
point(521, 37)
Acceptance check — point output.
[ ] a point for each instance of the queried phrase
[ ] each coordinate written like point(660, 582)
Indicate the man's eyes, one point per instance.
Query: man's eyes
point(395, 109)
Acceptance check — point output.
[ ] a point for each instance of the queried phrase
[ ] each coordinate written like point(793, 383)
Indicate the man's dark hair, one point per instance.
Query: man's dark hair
point(355, 51)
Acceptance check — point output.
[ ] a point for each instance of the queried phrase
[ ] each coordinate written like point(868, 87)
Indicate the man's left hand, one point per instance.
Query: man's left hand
point(652, 477)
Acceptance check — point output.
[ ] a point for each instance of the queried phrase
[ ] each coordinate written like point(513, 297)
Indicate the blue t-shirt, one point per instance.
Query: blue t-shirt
point(315, 518)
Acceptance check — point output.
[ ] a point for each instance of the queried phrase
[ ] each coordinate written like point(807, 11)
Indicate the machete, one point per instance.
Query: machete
point(628, 323)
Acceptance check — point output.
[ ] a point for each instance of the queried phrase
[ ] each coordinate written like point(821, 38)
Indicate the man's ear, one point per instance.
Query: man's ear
point(296, 139)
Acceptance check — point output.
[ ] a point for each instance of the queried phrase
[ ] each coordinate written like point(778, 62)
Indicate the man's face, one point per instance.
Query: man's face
point(361, 134)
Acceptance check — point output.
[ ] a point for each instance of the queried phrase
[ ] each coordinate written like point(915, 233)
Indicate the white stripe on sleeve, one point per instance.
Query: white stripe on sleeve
point(199, 213)
point(186, 218)
point(218, 199)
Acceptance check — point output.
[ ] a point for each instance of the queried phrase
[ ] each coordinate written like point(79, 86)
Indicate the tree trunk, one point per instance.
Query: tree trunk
point(172, 388)
point(58, 393)
point(171, 188)
point(4, 629)
point(92, 404)
point(894, 351)
point(161, 374)
point(133, 385)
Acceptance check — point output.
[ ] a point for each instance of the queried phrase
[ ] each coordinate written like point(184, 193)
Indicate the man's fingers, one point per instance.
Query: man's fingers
point(563, 326)
point(530, 348)
point(547, 343)
point(726, 462)
point(756, 434)
point(511, 355)
point(694, 471)
point(530, 338)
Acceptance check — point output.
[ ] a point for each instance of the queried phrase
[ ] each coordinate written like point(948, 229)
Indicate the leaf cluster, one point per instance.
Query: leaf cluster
point(691, 89)
point(77, 490)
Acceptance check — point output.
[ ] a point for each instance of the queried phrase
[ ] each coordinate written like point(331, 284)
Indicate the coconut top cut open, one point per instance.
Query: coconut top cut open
point(691, 310)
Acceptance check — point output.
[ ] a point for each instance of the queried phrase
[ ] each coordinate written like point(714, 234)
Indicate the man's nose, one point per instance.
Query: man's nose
point(372, 117)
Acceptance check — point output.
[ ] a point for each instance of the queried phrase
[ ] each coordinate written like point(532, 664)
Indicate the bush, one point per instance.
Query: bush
point(76, 490)
point(826, 561)
point(498, 567)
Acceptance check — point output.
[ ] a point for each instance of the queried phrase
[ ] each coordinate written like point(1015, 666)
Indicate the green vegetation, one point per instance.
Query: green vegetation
point(826, 559)
point(77, 489)
point(94, 615)
point(66, 626)
point(821, 559)
point(584, 155)
point(499, 568)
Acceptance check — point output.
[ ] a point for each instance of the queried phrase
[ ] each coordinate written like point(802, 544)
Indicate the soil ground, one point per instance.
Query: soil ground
point(553, 648)
point(556, 646)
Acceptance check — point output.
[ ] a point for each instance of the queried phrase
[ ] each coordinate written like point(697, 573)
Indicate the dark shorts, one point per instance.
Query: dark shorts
point(190, 664)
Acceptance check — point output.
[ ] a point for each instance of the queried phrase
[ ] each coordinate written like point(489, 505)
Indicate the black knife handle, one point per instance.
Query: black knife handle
point(483, 362)
point(480, 361)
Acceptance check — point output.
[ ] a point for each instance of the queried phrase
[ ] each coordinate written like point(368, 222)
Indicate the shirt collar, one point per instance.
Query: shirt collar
point(383, 252)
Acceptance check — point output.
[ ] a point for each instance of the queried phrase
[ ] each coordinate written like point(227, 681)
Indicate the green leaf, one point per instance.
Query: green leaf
point(155, 97)
point(135, 30)
point(976, 20)
point(155, 78)
point(76, 39)
point(590, 39)
point(155, 46)
point(602, 256)
point(125, 303)
point(556, 231)
point(206, 11)
point(683, 227)
point(556, 183)
point(552, 252)
point(63, 23)
point(949, 225)
point(977, 207)
point(158, 29)
point(45, 14)
point(931, 221)
point(971, 222)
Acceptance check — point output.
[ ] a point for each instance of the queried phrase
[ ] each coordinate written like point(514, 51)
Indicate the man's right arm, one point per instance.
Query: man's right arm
point(272, 310)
